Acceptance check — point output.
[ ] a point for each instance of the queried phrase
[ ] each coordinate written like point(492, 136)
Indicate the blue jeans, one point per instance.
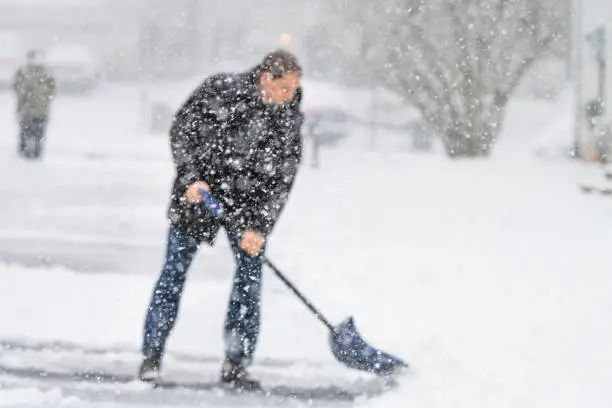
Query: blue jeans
point(243, 313)
point(31, 137)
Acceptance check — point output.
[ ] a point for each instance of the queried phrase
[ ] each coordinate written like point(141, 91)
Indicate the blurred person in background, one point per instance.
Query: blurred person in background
point(34, 88)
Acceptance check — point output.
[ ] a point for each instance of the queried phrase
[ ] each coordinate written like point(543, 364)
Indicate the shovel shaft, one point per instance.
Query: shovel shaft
point(216, 209)
point(303, 298)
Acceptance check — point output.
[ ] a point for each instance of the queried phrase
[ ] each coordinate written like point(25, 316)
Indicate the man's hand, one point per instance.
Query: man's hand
point(193, 191)
point(252, 242)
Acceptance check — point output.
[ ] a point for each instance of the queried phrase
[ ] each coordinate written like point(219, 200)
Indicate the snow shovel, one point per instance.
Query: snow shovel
point(346, 343)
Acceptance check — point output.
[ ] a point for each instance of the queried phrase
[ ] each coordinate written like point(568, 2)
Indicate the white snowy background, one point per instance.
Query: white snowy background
point(491, 277)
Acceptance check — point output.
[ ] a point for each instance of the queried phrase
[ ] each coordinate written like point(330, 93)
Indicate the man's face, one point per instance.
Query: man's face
point(279, 90)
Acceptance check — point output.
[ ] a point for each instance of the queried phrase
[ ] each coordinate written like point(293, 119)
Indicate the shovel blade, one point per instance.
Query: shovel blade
point(351, 350)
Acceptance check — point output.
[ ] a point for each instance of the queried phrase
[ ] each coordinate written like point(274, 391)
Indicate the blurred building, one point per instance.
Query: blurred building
point(136, 39)
point(105, 31)
point(591, 75)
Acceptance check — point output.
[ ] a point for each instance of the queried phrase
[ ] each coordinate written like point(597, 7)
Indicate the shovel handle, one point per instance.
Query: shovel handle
point(211, 203)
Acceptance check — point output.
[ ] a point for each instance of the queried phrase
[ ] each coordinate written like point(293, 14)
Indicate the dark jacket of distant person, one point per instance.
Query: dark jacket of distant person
point(34, 88)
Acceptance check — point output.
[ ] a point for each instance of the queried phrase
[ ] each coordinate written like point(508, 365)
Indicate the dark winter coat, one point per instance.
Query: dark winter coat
point(246, 150)
point(34, 87)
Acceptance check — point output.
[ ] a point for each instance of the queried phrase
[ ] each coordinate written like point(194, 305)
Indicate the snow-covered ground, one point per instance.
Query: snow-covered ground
point(492, 278)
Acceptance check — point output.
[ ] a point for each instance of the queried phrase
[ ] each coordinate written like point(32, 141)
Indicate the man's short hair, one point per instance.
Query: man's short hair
point(281, 62)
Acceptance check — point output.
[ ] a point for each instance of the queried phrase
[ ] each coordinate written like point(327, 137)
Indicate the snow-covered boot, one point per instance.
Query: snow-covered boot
point(150, 368)
point(238, 378)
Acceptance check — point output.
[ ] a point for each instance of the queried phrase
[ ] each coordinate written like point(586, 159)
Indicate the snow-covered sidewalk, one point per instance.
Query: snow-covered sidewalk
point(492, 278)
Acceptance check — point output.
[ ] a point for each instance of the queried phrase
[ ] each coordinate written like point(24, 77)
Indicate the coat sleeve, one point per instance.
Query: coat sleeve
point(183, 140)
point(17, 81)
point(266, 216)
point(51, 84)
point(262, 217)
point(194, 127)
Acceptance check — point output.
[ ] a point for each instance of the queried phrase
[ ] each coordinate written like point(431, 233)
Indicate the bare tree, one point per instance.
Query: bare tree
point(457, 61)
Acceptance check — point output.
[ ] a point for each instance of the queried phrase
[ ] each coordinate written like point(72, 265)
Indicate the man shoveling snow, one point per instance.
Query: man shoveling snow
point(238, 137)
